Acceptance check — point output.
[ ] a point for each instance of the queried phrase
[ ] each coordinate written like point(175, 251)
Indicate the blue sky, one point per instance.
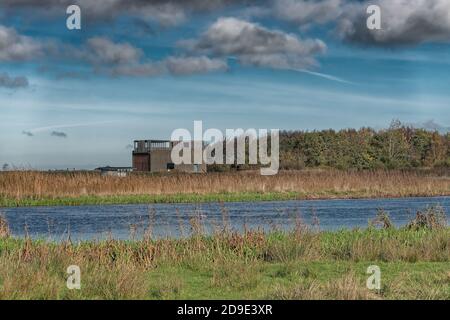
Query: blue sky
point(67, 101)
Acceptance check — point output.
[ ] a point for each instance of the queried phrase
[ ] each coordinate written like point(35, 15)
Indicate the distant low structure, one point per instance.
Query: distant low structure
point(114, 171)
point(155, 156)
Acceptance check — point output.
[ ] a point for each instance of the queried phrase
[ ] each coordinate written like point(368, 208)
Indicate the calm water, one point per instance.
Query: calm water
point(173, 220)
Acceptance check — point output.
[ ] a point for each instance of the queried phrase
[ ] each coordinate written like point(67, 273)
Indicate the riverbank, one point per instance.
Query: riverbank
point(304, 264)
point(31, 188)
point(198, 198)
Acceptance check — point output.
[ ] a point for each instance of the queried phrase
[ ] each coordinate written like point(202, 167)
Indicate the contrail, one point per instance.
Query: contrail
point(324, 75)
point(63, 126)
point(317, 74)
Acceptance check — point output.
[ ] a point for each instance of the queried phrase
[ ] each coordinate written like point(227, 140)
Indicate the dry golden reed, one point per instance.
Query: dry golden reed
point(308, 184)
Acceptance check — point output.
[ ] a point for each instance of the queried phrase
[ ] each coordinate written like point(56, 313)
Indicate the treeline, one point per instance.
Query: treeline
point(398, 147)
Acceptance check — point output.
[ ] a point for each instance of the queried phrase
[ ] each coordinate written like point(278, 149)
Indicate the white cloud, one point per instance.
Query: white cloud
point(104, 51)
point(16, 47)
point(190, 65)
point(253, 44)
point(124, 59)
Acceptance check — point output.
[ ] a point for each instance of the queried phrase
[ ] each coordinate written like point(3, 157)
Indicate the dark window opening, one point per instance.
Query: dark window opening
point(170, 166)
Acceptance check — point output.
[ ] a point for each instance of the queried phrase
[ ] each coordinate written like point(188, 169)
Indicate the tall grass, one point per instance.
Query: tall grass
point(18, 187)
point(301, 264)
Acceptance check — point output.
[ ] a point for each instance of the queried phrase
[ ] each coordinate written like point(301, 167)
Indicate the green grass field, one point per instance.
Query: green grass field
point(185, 198)
point(304, 264)
point(147, 199)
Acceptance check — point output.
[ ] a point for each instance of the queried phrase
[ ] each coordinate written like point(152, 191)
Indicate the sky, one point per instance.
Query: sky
point(141, 69)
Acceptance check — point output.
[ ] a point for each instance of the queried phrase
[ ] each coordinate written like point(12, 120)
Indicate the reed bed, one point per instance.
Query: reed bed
point(19, 186)
point(301, 264)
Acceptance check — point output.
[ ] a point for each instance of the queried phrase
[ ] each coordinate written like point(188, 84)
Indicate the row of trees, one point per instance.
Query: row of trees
point(393, 148)
point(397, 147)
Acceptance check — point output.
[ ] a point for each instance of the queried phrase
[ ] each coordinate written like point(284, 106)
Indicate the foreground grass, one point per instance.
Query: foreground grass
point(30, 188)
point(305, 264)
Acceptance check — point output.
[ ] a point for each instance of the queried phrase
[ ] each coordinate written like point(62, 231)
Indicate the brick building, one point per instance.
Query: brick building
point(155, 156)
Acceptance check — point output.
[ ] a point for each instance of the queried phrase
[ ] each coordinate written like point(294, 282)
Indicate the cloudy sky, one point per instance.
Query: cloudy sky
point(140, 69)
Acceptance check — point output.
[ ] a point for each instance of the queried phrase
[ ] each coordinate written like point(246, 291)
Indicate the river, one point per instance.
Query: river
point(175, 220)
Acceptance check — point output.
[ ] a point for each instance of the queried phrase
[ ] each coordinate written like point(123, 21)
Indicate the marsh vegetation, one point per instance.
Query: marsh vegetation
point(304, 263)
point(23, 188)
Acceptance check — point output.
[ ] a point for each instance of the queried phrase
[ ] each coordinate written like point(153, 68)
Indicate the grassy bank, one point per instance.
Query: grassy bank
point(302, 264)
point(194, 198)
point(414, 265)
point(30, 188)
point(148, 199)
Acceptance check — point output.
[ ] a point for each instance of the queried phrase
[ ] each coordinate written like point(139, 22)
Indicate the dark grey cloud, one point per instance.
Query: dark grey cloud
point(9, 82)
point(253, 44)
point(58, 134)
point(404, 22)
point(27, 133)
point(164, 12)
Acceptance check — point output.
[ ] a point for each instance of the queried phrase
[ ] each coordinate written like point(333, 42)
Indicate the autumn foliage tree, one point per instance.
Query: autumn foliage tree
point(397, 147)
